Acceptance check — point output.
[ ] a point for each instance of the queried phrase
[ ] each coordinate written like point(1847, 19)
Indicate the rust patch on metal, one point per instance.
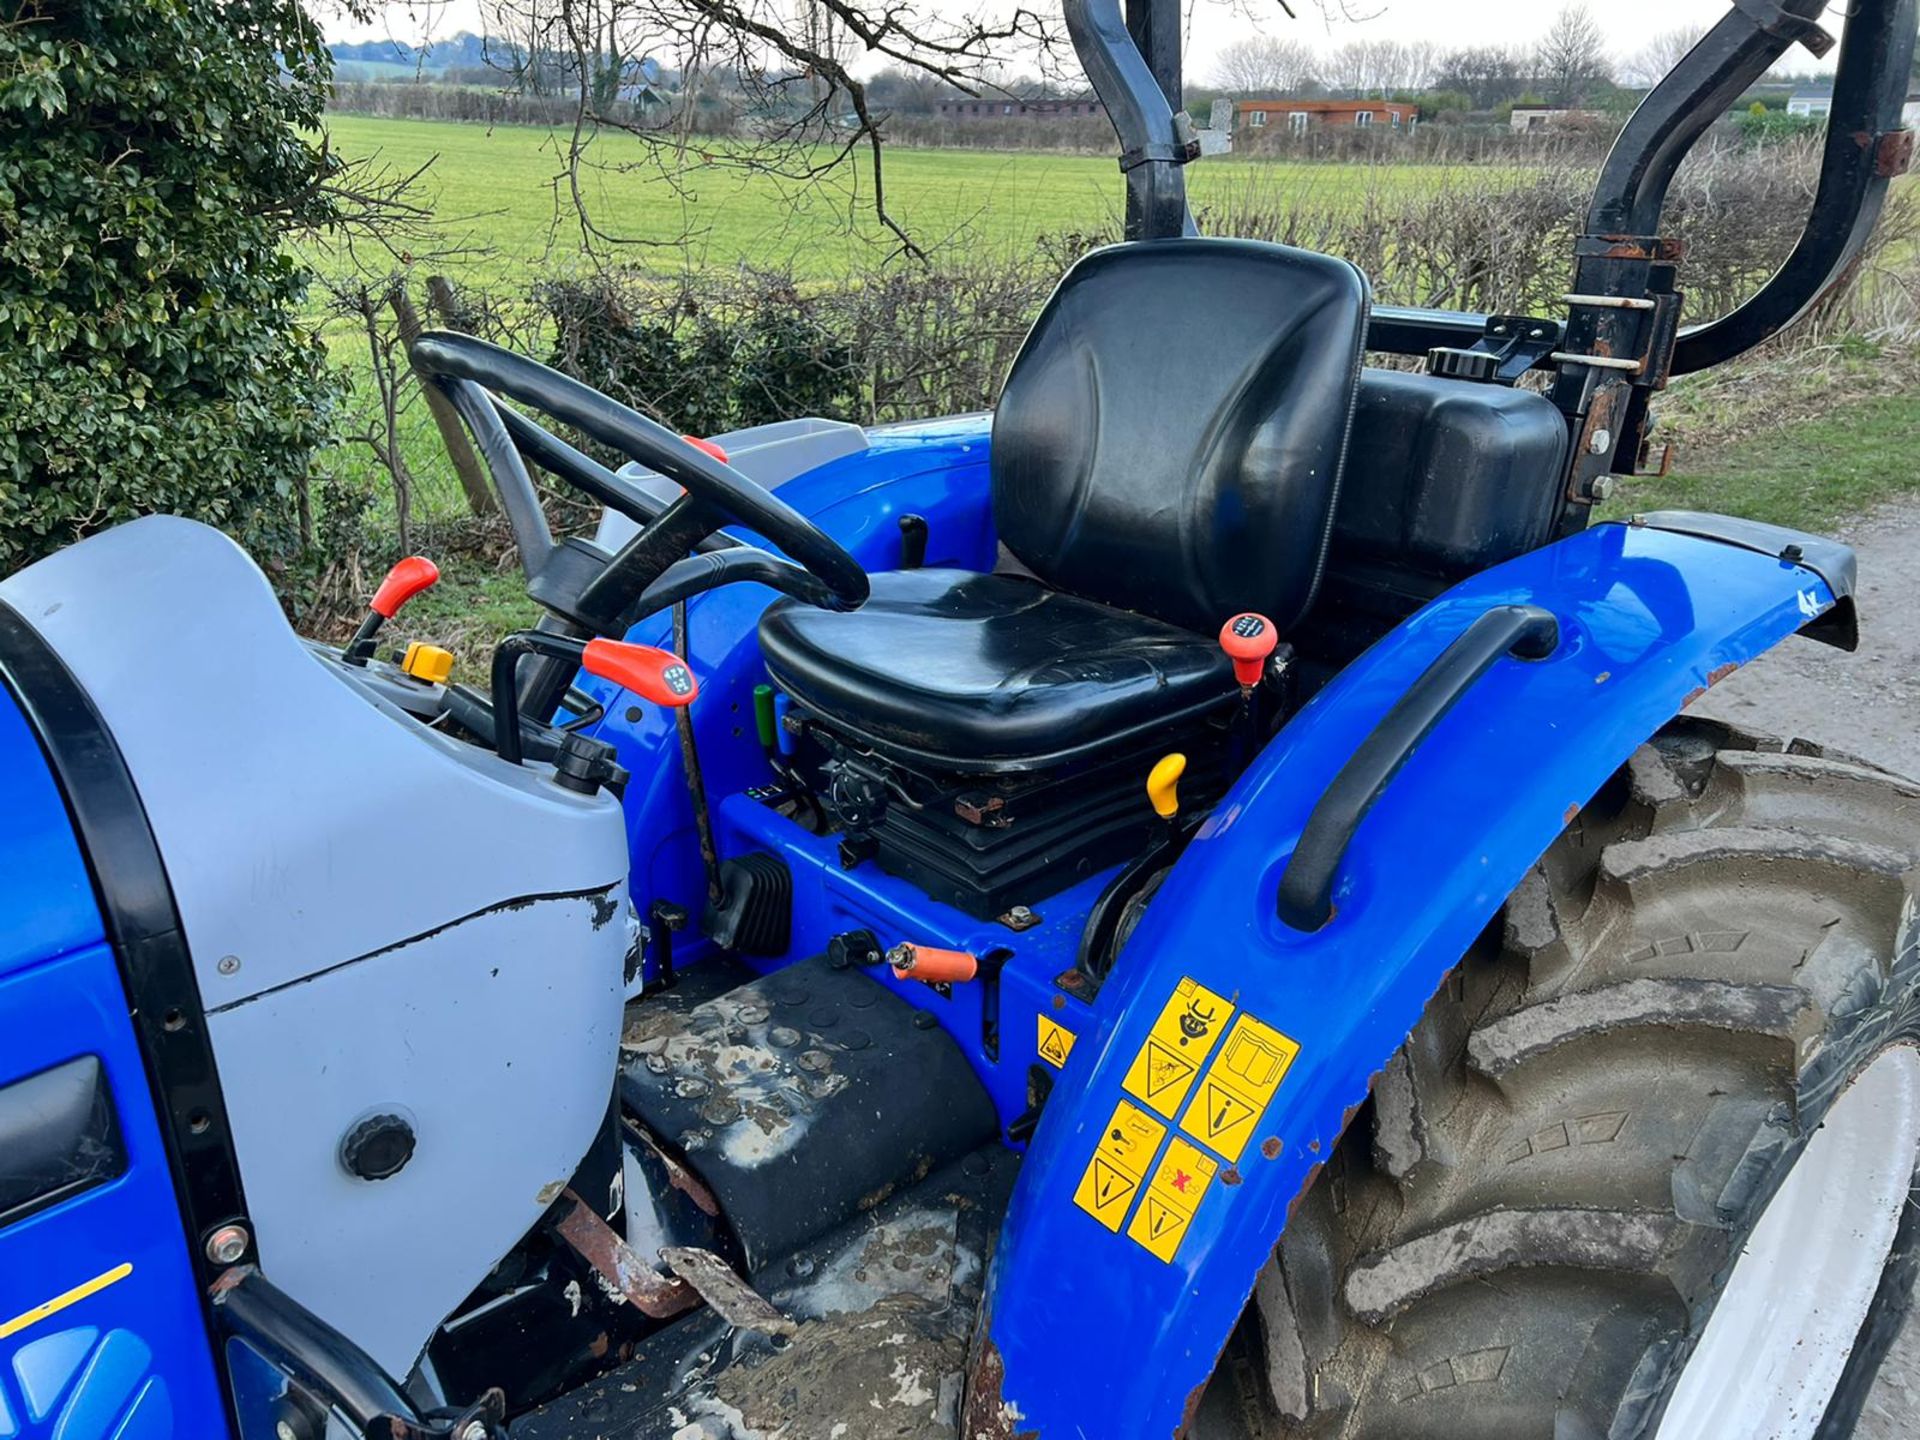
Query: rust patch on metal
point(685, 1181)
point(1077, 983)
point(1572, 813)
point(1693, 695)
point(1271, 1147)
point(984, 1411)
point(1231, 1176)
point(625, 1275)
point(1721, 672)
point(1893, 154)
point(731, 1298)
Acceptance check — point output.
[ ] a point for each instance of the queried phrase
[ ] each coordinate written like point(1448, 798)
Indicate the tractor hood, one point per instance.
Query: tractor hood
point(370, 931)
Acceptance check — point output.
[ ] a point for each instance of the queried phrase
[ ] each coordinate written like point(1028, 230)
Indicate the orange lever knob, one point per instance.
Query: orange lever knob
point(653, 674)
point(934, 967)
point(404, 581)
point(707, 445)
point(1248, 640)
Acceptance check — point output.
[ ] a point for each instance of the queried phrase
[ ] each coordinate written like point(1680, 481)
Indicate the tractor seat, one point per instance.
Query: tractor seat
point(1166, 454)
point(986, 674)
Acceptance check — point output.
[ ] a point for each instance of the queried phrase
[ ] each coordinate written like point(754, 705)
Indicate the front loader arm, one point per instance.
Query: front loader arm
point(1231, 1049)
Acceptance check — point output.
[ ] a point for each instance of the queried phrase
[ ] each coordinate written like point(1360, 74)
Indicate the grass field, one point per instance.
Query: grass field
point(494, 191)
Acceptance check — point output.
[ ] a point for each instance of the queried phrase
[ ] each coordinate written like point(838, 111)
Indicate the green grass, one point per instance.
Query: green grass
point(1811, 474)
point(494, 191)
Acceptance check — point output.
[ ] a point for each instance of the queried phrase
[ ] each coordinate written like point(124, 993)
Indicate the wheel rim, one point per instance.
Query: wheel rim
point(1777, 1342)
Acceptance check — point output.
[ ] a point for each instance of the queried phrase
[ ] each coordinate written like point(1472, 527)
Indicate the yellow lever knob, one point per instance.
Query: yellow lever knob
point(427, 662)
point(1163, 785)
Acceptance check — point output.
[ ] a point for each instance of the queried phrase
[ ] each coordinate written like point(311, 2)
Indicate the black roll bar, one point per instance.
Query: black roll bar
point(1134, 65)
point(1867, 147)
point(1156, 138)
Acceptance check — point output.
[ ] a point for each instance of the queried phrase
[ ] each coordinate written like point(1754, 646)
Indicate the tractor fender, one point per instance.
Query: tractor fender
point(1230, 1050)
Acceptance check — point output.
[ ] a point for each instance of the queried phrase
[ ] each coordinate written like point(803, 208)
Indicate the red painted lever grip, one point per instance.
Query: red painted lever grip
point(404, 581)
point(1248, 640)
point(657, 675)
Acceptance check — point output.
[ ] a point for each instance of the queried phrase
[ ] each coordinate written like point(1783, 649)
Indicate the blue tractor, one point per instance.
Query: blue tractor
point(1188, 905)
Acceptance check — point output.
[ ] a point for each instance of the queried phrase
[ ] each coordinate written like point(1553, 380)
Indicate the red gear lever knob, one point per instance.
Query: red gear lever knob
point(1248, 640)
point(657, 675)
point(404, 581)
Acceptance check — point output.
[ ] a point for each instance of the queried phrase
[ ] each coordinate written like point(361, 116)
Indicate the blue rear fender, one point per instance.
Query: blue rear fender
point(1141, 1230)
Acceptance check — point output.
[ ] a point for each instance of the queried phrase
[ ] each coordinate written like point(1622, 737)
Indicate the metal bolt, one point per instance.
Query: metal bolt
point(229, 965)
point(227, 1244)
point(284, 1431)
point(473, 1430)
point(1601, 442)
point(1602, 487)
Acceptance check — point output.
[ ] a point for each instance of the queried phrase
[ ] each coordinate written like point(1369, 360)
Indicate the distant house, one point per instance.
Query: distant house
point(1814, 104)
point(1030, 110)
point(1300, 116)
point(1553, 117)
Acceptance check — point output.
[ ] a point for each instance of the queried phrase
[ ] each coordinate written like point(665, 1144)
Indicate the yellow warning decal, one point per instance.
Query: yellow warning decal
point(1172, 1200)
point(1119, 1165)
point(1236, 1089)
point(1181, 1039)
point(1056, 1041)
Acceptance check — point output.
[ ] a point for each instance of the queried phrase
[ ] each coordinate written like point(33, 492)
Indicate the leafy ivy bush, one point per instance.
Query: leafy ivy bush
point(153, 156)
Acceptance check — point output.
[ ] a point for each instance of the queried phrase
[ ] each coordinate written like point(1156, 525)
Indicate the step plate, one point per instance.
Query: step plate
point(802, 1099)
point(886, 1306)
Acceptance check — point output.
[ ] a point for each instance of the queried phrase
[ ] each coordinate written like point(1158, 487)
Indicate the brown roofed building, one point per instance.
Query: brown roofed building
point(1299, 116)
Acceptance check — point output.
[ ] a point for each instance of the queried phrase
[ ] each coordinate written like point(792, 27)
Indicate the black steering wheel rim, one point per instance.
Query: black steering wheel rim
point(708, 481)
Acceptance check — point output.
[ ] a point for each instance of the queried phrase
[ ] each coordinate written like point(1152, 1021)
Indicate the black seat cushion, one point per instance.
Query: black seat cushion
point(1171, 437)
point(991, 673)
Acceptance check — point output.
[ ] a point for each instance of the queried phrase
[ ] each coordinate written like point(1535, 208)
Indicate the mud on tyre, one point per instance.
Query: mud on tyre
point(1527, 1230)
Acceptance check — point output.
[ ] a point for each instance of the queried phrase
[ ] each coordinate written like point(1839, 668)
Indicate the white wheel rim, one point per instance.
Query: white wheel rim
point(1774, 1349)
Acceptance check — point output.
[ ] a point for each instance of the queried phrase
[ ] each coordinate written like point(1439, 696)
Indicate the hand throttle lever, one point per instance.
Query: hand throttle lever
point(653, 674)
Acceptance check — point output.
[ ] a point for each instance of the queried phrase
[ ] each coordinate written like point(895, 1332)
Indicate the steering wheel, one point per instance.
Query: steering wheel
point(653, 570)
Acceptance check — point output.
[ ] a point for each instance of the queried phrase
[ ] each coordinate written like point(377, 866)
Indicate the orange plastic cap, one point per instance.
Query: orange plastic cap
point(1248, 640)
point(934, 967)
point(653, 674)
point(404, 581)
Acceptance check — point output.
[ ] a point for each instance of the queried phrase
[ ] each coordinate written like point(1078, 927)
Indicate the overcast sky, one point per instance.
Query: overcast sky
point(1213, 24)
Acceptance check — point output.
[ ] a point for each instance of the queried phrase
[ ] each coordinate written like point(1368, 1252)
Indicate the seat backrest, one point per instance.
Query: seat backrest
point(1170, 438)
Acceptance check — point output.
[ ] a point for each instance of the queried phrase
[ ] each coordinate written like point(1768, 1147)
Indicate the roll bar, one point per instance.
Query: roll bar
point(1622, 340)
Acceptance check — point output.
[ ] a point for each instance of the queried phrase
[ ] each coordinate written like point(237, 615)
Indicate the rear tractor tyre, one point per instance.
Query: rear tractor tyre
point(1646, 1168)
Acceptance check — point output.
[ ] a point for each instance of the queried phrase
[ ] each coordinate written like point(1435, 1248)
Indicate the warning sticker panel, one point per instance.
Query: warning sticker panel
point(1172, 1200)
point(1119, 1165)
point(1238, 1085)
point(1056, 1041)
point(1189, 1025)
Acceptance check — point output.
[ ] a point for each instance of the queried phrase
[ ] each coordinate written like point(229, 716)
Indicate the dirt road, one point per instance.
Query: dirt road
point(1867, 703)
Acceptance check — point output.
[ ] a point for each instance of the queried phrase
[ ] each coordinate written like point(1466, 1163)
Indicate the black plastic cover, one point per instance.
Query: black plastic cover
point(1170, 438)
point(1447, 478)
point(58, 1137)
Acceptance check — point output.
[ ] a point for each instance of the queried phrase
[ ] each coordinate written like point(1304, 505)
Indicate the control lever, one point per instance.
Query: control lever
point(405, 580)
point(1249, 640)
point(931, 966)
point(653, 674)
